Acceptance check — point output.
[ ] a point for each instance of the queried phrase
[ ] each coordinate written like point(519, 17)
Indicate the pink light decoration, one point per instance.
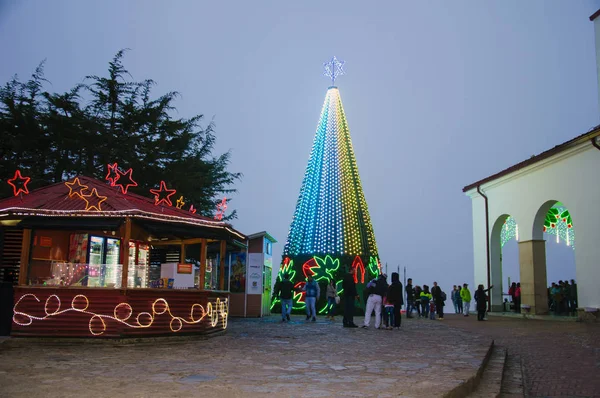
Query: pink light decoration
point(221, 207)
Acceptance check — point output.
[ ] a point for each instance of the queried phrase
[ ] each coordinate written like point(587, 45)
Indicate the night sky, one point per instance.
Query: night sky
point(437, 94)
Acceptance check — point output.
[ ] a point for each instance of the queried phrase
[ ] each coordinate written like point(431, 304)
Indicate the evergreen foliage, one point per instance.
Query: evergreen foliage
point(52, 137)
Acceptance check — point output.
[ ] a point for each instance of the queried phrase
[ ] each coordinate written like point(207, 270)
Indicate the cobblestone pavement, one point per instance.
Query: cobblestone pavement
point(561, 359)
point(254, 358)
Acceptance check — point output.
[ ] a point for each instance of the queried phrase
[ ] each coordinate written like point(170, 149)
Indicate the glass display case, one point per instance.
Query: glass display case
point(139, 258)
point(104, 269)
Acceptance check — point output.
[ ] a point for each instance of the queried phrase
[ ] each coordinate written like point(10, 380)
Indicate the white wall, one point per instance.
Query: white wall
point(597, 37)
point(571, 177)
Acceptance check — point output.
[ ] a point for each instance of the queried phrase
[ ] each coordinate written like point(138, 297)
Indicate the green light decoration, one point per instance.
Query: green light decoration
point(286, 267)
point(323, 270)
point(558, 222)
point(374, 266)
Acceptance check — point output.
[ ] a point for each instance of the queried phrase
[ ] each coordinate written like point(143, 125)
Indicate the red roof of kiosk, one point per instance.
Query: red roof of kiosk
point(54, 200)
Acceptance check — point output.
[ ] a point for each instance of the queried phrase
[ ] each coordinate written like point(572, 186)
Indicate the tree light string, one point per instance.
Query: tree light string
point(217, 313)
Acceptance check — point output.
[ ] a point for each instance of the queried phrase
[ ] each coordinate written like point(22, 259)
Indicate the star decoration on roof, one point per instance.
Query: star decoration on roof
point(76, 187)
point(124, 180)
point(333, 69)
point(192, 210)
point(113, 174)
point(180, 202)
point(93, 201)
point(163, 189)
point(221, 207)
point(19, 183)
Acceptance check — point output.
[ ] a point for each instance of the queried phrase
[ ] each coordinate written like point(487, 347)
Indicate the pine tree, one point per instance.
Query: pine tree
point(53, 137)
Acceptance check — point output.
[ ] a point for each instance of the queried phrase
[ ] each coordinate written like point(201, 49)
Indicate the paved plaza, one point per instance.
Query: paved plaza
point(559, 358)
point(254, 358)
point(261, 357)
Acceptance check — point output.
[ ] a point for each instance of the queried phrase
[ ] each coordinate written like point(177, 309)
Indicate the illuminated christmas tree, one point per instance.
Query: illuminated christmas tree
point(331, 230)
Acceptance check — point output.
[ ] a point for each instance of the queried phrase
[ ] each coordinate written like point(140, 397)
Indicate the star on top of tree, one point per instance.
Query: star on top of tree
point(333, 69)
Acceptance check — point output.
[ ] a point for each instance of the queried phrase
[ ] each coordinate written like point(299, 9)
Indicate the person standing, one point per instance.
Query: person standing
point(375, 301)
point(418, 291)
point(573, 297)
point(410, 297)
point(313, 292)
point(285, 292)
point(481, 299)
point(453, 298)
point(512, 291)
point(438, 299)
point(395, 297)
point(465, 296)
point(350, 296)
point(425, 299)
point(458, 299)
point(331, 303)
point(518, 298)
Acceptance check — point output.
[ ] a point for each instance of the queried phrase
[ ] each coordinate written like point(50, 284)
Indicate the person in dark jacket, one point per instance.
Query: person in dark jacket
point(418, 291)
point(481, 299)
point(436, 294)
point(395, 296)
point(410, 297)
point(285, 292)
point(350, 295)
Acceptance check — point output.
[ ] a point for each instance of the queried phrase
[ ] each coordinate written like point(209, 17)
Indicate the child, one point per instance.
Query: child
point(389, 312)
point(431, 310)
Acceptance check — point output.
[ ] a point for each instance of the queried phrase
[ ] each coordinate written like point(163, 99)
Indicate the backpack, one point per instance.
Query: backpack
point(369, 289)
point(443, 295)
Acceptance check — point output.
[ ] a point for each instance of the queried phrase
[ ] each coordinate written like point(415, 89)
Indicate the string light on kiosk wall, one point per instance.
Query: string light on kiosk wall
point(217, 312)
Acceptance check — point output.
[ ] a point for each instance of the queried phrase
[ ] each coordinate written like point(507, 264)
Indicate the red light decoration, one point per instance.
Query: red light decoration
point(163, 189)
point(298, 287)
point(113, 174)
point(357, 264)
point(76, 187)
point(19, 183)
point(180, 202)
point(123, 183)
point(221, 207)
point(308, 267)
point(192, 210)
point(93, 200)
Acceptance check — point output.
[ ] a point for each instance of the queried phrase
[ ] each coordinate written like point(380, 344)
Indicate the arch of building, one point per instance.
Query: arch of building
point(569, 173)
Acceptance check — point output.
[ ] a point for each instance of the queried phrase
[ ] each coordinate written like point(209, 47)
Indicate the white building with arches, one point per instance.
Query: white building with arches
point(526, 193)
